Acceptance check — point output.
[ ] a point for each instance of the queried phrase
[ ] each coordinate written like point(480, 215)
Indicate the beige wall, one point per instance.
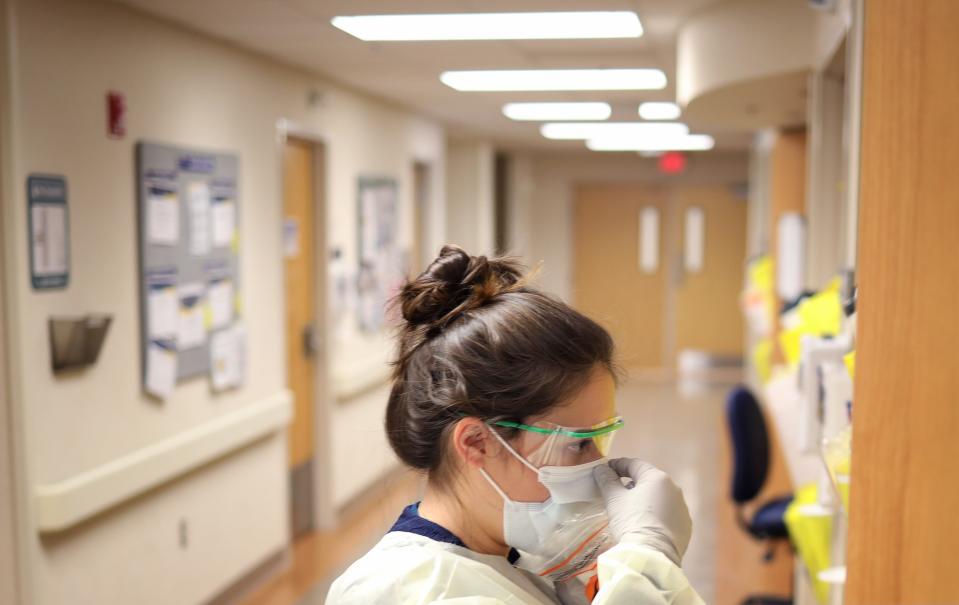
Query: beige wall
point(182, 89)
point(470, 178)
point(542, 194)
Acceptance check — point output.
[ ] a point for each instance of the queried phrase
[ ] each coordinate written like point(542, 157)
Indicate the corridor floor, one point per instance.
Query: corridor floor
point(678, 426)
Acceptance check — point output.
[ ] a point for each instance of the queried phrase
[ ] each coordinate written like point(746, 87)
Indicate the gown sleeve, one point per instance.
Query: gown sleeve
point(632, 573)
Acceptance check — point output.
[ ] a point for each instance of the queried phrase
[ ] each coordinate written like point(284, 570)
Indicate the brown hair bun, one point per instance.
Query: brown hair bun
point(453, 284)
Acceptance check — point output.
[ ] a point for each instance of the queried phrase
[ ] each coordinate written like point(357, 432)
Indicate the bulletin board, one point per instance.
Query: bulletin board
point(188, 214)
point(381, 263)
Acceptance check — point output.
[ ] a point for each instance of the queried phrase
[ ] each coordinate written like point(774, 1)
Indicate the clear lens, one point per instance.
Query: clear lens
point(565, 446)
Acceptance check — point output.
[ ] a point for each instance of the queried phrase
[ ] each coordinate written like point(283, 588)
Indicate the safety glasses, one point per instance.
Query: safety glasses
point(549, 444)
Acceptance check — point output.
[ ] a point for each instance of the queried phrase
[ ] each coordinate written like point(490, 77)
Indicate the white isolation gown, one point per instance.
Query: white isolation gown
point(420, 563)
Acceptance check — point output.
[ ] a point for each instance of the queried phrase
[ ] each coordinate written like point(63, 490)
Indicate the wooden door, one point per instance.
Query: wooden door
point(299, 201)
point(608, 283)
point(707, 316)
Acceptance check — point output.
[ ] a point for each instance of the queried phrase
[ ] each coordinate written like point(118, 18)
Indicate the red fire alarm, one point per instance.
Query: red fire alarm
point(672, 162)
point(116, 115)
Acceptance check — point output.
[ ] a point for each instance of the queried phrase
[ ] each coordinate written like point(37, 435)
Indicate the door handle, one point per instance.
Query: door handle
point(311, 341)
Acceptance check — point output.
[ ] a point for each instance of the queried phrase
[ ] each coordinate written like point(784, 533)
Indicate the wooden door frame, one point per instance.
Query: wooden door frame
point(13, 459)
point(324, 512)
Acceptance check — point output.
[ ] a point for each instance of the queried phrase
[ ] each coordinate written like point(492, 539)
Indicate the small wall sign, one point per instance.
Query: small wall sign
point(49, 231)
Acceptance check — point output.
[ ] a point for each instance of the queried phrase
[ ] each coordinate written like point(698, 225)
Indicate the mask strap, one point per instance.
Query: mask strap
point(512, 451)
point(498, 489)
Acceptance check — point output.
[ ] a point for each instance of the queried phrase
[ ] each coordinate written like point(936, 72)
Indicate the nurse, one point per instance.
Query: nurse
point(505, 398)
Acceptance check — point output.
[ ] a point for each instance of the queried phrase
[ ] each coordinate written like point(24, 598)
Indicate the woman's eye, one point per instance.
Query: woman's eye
point(582, 445)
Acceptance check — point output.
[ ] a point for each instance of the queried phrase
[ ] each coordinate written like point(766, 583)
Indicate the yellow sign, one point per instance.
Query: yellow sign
point(811, 534)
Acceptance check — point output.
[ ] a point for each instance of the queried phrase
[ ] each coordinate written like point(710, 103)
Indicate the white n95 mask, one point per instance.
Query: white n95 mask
point(527, 525)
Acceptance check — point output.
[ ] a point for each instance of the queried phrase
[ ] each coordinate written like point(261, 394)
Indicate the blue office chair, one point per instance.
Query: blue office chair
point(750, 441)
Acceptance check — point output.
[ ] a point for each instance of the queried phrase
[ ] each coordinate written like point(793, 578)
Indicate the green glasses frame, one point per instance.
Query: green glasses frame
point(617, 424)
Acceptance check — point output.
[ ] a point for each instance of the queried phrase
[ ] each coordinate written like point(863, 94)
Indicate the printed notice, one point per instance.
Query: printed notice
point(228, 358)
point(198, 196)
point(163, 218)
point(291, 237)
point(220, 299)
point(191, 329)
point(49, 222)
point(224, 222)
point(160, 370)
point(163, 312)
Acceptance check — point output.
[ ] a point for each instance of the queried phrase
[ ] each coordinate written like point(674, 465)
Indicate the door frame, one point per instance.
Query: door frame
point(16, 498)
point(324, 513)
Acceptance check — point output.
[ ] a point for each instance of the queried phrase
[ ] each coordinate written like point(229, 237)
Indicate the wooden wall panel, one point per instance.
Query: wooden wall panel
point(904, 533)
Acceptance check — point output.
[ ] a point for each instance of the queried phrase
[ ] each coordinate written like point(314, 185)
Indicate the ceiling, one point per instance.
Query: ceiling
point(407, 73)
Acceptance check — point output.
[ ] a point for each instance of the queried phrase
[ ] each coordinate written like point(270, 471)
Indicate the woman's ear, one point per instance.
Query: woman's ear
point(473, 443)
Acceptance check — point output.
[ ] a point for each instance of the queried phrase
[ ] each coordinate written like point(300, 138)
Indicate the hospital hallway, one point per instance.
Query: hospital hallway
point(678, 425)
point(266, 263)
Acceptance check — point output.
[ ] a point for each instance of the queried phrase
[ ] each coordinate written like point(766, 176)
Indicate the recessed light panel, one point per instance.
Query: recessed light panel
point(544, 112)
point(492, 26)
point(555, 79)
point(613, 130)
point(688, 142)
point(659, 111)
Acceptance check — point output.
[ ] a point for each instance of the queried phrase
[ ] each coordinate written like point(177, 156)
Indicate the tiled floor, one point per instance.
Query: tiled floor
point(676, 426)
point(679, 430)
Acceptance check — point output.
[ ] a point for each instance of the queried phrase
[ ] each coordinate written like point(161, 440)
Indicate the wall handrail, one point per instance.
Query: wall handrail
point(64, 504)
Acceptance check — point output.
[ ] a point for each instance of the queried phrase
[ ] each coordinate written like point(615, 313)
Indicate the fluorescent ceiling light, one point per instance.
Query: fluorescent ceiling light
point(555, 79)
point(492, 26)
point(628, 130)
point(557, 111)
point(688, 142)
point(659, 111)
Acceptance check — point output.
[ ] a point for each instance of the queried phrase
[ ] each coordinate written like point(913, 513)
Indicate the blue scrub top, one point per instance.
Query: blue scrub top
point(410, 521)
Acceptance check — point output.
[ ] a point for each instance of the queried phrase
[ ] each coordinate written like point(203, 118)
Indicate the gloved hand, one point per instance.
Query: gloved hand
point(651, 512)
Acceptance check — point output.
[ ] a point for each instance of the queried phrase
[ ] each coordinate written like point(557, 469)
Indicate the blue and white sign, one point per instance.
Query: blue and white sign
point(49, 231)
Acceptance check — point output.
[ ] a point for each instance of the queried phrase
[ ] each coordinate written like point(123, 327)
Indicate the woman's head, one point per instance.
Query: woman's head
point(479, 345)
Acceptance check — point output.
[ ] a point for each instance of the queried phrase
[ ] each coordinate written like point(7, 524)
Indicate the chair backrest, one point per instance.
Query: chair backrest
point(747, 431)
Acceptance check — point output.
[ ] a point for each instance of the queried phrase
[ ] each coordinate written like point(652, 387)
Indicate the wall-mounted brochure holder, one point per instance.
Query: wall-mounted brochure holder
point(75, 342)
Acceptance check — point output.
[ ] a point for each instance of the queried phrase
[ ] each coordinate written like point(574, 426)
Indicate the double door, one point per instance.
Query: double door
point(661, 267)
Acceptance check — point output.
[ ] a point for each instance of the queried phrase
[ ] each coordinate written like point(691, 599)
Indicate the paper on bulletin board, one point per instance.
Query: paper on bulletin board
point(198, 196)
point(161, 370)
point(228, 358)
point(163, 306)
point(191, 328)
point(221, 300)
point(224, 222)
point(163, 218)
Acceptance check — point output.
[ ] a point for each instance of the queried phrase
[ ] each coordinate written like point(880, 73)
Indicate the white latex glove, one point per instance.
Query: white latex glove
point(651, 512)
